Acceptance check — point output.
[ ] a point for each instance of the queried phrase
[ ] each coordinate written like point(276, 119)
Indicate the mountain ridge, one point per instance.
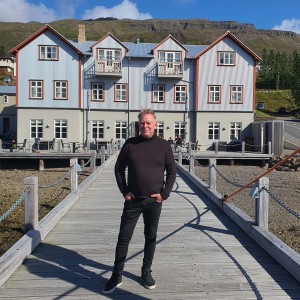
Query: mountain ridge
point(186, 31)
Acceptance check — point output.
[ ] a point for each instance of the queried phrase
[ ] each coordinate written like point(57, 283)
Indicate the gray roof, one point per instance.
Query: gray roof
point(142, 50)
point(7, 89)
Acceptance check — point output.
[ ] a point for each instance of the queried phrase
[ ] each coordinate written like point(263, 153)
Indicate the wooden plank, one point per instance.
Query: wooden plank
point(201, 254)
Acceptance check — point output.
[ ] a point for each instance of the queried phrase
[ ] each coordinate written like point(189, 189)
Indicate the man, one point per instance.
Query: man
point(146, 158)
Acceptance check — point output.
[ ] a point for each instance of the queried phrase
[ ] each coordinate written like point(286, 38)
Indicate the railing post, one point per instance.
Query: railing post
point(190, 148)
point(74, 175)
point(88, 146)
point(31, 203)
point(262, 204)
point(216, 147)
point(102, 150)
point(1, 145)
point(243, 147)
point(93, 161)
point(180, 157)
point(192, 162)
point(212, 175)
point(269, 147)
point(59, 148)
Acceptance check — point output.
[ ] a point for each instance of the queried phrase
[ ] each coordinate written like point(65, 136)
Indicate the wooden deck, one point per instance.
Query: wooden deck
point(201, 254)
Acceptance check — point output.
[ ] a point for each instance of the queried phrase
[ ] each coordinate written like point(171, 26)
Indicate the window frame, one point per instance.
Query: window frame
point(182, 94)
point(41, 87)
point(39, 128)
point(222, 60)
point(241, 93)
point(212, 136)
point(99, 128)
point(235, 131)
point(179, 129)
point(122, 92)
point(51, 52)
point(61, 88)
point(5, 99)
point(98, 92)
point(158, 91)
point(61, 134)
point(160, 129)
point(123, 126)
point(210, 93)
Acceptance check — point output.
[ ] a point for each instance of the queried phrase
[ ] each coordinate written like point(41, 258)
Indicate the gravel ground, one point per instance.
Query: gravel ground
point(11, 188)
point(284, 185)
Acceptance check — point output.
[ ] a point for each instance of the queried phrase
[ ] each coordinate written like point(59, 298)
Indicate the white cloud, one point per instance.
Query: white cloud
point(289, 25)
point(124, 10)
point(23, 11)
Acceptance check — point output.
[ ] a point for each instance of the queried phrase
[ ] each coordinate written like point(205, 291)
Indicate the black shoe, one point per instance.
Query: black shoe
point(114, 282)
point(149, 282)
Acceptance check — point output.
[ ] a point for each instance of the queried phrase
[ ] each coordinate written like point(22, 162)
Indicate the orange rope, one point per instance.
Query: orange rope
point(225, 198)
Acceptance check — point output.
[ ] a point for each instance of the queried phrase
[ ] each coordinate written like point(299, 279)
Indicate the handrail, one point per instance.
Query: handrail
point(226, 197)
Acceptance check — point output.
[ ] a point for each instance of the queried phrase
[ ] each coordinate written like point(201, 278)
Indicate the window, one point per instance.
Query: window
point(236, 94)
point(179, 128)
point(98, 129)
point(109, 60)
point(180, 94)
point(49, 52)
point(121, 92)
point(158, 94)
point(97, 91)
point(170, 57)
point(5, 99)
point(214, 94)
point(235, 131)
point(160, 129)
point(36, 129)
point(60, 129)
point(61, 90)
point(120, 130)
point(226, 58)
point(213, 131)
point(36, 89)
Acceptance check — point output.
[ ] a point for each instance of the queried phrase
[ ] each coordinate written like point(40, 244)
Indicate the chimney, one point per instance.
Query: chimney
point(81, 33)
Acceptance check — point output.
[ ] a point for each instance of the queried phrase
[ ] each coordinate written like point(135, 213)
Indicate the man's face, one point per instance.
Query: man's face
point(147, 125)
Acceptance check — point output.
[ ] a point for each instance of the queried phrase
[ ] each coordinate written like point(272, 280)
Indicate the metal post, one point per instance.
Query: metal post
point(216, 147)
point(243, 147)
point(212, 175)
point(31, 203)
point(269, 147)
point(102, 155)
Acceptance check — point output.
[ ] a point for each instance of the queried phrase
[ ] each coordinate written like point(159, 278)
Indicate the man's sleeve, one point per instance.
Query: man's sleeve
point(170, 173)
point(120, 169)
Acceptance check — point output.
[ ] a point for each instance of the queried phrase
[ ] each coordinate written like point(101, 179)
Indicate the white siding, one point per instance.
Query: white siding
point(225, 76)
point(31, 68)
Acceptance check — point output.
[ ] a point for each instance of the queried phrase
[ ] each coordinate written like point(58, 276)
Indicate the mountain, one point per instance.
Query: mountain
point(190, 31)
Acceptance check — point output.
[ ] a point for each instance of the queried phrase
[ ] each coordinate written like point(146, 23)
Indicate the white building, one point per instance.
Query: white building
point(93, 90)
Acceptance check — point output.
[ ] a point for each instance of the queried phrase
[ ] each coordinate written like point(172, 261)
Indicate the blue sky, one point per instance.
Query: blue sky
point(263, 14)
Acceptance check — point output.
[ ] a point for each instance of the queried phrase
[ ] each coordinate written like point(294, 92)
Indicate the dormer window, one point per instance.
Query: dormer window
point(226, 58)
point(48, 52)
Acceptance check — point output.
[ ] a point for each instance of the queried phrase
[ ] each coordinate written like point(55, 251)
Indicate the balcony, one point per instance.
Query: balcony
point(170, 69)
point(106, 67)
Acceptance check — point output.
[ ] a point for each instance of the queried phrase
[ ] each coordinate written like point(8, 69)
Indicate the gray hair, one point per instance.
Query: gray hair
point(147, 111)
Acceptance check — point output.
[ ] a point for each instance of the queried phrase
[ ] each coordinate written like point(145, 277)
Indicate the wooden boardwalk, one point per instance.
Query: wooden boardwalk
point(201, 254)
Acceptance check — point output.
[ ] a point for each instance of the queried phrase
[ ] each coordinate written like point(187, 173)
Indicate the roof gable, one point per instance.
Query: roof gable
point(167, 38)
point(105, 37)
point(228, 34)
point(40, 32)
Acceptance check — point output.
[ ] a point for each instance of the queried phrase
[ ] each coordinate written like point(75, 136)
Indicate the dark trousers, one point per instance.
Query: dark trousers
point(132, 210)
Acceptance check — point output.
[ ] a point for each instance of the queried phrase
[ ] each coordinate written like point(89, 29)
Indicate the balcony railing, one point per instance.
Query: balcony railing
point(108, 67)
point(170, 69)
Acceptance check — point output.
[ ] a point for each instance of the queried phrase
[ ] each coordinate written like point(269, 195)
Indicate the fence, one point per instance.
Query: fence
point(257, 229)
point(36, 231)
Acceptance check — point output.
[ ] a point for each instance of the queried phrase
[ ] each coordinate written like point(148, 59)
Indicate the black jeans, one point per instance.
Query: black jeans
point(131, 213)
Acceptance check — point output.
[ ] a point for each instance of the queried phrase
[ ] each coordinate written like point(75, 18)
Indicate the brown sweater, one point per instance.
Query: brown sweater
point(146, 160)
